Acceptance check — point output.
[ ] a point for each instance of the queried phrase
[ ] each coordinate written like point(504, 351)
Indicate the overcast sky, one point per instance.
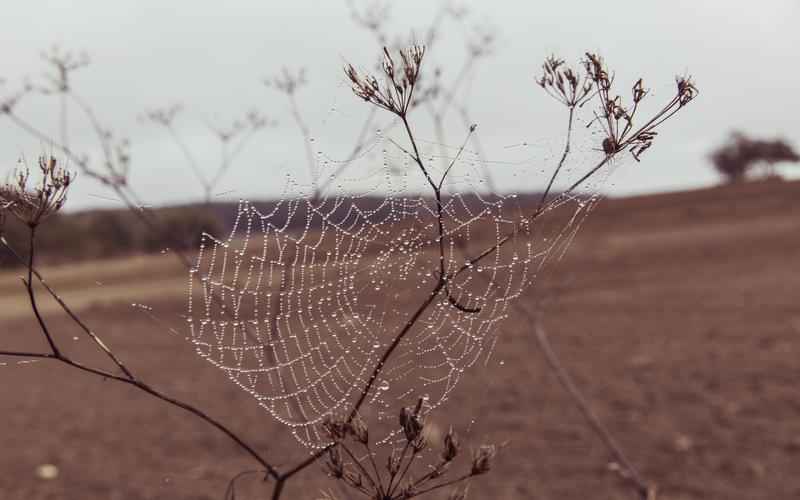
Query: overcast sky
point(212, 57)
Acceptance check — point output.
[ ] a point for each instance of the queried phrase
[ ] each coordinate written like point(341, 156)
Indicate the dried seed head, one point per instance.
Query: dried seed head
point(596, 69)
point(483, 458)
point(686, 89)
point(32, 205)
point(287, 81)
point(639, 92)
point(618, 121)
point(451, 446)
point(564, 84)
point(337, 429)
point(164, 116)
point(359, 430)
point(396, 94)
point(610, 146)
point(481, 41)
point(393, 462)
point(411, 423)
point(63, 64)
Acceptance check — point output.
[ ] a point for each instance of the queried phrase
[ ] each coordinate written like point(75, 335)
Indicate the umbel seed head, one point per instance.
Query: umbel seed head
point(396, 93)
point(33, 204)
point(411, 423)
point(451, 446)
point(483, 459)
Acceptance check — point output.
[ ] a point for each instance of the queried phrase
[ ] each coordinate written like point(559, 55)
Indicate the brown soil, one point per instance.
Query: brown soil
point(677, 315)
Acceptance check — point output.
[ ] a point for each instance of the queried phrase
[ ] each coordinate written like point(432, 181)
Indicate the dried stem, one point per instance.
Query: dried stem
point(304, 131)
point(32, 294)
point(395, 342)
point(630, 472)
point(129, 378)
point(561, 161)
point(444, 484)
point(121, 189)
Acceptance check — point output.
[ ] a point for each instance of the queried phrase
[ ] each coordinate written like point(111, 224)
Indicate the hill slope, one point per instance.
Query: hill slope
point(676, 314)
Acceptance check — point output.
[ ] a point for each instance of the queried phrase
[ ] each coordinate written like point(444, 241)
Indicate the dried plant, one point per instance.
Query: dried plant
point(396, 92)
point(436, 94)
point(288, 83)
point(32, 204)
point(564, 84)
point(373, 18)
point(352, 461)
point(115, 151)
point(232, 141)
point(617, 118)
point(63, 64)
point(393, 92)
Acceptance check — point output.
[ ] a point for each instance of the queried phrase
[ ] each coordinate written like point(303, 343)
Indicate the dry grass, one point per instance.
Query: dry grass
point(680, 324)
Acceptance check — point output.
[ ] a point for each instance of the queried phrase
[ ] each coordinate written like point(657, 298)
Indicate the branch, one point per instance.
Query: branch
point(129, 378)
point(630, 472)
point(517, 230)
point(561, 161)
point(387, 354)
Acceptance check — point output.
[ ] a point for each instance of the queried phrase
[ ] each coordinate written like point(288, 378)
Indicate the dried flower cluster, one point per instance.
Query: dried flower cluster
point(617, 119)
point(396, 93)
point(253, 121)
point(163, 116)
point(481, 40)
point(396, 481)
point(232, 140)
point(564, 84)
point(32, 205)
point(63, 63)
point(373, 18)
point(287, 82)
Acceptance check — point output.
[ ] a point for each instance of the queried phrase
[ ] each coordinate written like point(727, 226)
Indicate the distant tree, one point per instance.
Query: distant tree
point(741, 154)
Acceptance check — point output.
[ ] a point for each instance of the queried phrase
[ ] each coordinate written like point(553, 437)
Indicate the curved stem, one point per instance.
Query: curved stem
point(129, 378)
point(387, 354)
point(32, 294)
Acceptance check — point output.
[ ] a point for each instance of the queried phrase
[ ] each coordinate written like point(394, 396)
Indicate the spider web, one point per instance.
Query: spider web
point(298, 304)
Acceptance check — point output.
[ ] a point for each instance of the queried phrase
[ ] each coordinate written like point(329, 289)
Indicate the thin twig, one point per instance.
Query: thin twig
point(129, 378)
point(630, 471)
point(561, 161)
point(304, 131)
point(398, 338)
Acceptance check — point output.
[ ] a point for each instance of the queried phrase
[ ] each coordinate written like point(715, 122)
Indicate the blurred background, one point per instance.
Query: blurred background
point(673, 310)
point(213, 59)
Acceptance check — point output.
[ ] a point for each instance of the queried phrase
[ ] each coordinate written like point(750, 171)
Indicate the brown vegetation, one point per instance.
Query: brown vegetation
point(683, 343)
